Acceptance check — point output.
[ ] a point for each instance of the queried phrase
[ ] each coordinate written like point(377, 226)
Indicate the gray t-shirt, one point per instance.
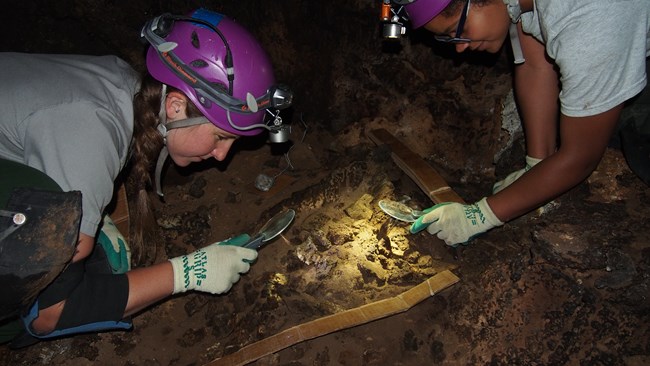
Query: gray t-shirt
point(71, 117)
point(600, 47)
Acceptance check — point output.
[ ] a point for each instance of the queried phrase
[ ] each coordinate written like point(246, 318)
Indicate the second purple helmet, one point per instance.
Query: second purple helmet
point(422, 11)
point(205, 53)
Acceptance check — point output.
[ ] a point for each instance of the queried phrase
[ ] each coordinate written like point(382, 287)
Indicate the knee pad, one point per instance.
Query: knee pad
point(62, 286)
point(71, 277)
point(96, 304)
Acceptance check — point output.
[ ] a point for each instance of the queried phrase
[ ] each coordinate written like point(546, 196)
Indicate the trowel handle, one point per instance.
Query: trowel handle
point(255, 243)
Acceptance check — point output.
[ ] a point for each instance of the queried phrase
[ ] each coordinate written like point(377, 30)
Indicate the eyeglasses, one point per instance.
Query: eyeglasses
point(459, 31)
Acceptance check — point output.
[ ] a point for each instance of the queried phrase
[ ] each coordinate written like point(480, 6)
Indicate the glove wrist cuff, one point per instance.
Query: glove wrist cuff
point(490, 217)
point(181, 277)
point(531, 162)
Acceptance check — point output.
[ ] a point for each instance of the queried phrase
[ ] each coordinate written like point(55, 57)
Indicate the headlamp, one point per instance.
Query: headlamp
point(393, 30)
point(393, 18)
point(281, 96)
point(280, 134)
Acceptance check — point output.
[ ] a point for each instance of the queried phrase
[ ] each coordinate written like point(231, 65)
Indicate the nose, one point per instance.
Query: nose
point(219, 154)
point(221, 150)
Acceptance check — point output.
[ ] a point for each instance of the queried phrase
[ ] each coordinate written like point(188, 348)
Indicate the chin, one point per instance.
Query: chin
point(181, 162)
point(493, 47)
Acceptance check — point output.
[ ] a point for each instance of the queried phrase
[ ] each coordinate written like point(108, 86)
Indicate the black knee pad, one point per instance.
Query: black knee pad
point(98, 298)
point(62, 286)
point(69, 279)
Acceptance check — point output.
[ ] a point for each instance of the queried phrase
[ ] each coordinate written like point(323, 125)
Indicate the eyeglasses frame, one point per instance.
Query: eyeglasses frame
point(459, 30)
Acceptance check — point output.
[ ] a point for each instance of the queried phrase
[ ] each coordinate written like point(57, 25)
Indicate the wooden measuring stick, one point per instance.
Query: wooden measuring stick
point(423, 174)
point(343, 320)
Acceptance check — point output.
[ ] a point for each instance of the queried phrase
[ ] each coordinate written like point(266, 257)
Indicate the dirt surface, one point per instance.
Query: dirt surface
point(566, 284)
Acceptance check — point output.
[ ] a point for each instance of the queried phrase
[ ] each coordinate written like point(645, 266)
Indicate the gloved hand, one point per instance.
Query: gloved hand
point(456, 223)
point(213, 269)
point(502, 184)
point(115, 246)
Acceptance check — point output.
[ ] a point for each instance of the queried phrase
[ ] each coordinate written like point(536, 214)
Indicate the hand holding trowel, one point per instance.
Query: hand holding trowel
point(401, 211)
point(274, 227)
point(216, 267)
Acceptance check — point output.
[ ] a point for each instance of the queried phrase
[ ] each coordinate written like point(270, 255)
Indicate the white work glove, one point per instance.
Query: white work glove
point(212, 269)
point(502, 184)
point(456, 223)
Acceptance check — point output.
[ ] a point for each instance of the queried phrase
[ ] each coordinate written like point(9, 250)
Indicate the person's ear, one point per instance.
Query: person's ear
point(175, 105)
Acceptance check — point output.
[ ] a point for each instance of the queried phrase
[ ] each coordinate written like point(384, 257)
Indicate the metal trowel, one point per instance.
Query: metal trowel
point(401, 211)
point(274, 227)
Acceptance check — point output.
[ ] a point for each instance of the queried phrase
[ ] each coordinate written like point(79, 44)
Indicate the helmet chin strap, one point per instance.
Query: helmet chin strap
point(164, 153)
point(162, 157)
point(163, 128)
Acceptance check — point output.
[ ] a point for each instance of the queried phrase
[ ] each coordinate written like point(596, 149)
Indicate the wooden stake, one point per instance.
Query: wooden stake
point(427, 178)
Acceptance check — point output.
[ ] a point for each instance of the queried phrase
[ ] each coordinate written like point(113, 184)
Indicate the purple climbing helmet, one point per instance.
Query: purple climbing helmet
point(217, 63)
point(422, 11)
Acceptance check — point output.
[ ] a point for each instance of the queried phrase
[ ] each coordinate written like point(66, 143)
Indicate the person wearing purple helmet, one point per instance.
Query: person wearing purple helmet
point(208, 82)
point(580, 61)
point(218, 66)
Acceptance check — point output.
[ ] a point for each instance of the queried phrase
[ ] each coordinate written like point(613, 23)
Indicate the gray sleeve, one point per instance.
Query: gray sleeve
point(76, 145)
point(601, 57)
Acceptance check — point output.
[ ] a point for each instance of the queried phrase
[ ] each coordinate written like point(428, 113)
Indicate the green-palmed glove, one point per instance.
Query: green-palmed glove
point(456, 223)
point(502, 184)
point(213, 269)
point(115, 246)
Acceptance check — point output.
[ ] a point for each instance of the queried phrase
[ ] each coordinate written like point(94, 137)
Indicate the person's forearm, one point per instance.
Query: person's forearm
point(584, 140)
point(544, 182)
point(148, 286)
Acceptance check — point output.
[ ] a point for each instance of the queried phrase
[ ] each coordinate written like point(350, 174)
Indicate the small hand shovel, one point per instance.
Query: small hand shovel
point(400, 211)
point(274, 227)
